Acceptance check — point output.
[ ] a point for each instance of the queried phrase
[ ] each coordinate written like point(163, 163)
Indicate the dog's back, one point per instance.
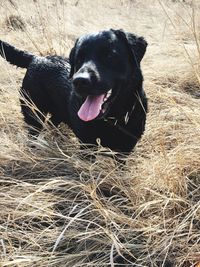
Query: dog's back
point(45, 87)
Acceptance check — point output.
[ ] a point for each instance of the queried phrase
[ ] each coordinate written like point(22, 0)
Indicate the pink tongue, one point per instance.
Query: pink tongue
point(91, 108)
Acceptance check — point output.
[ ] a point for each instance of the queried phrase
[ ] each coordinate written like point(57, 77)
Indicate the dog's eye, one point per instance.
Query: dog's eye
point(110, 55)
point(113, 58)
point(80, 57)
point(108, 52)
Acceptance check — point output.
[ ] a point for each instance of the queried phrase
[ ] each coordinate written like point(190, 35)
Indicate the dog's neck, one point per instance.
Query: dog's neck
point(121, 123)
point(124, 116)
point(126, 100)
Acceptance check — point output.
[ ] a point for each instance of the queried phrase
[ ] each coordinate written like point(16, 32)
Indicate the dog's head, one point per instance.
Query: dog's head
point(100, 64)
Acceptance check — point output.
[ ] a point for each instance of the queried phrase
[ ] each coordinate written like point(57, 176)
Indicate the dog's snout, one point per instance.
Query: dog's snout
point(82, 80)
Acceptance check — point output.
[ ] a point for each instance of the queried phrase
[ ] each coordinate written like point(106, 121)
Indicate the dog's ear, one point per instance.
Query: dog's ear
point(72, 59)
point(136, 45)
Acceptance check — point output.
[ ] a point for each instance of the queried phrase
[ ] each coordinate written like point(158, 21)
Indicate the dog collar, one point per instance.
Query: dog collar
point(114, 122)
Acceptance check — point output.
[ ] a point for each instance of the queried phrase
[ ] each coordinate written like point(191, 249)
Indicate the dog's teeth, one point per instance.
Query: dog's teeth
point(109, 93)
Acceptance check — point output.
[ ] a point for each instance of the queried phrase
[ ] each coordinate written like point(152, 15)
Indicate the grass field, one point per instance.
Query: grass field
point(59, 209)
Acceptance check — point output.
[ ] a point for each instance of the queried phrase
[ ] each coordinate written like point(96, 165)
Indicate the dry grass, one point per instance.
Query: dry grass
point(59, 209)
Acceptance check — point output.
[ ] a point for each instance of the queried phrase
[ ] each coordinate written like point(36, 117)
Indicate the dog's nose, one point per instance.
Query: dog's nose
point(82, 80)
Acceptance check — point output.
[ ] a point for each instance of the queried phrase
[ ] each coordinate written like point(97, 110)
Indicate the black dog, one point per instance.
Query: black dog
point(97, 92)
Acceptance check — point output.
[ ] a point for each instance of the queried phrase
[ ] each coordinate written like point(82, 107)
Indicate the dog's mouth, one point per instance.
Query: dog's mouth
point(95, 106)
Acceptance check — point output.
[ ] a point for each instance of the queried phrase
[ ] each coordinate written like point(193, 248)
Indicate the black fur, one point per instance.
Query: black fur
point(98, 62)
point(15, 56)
